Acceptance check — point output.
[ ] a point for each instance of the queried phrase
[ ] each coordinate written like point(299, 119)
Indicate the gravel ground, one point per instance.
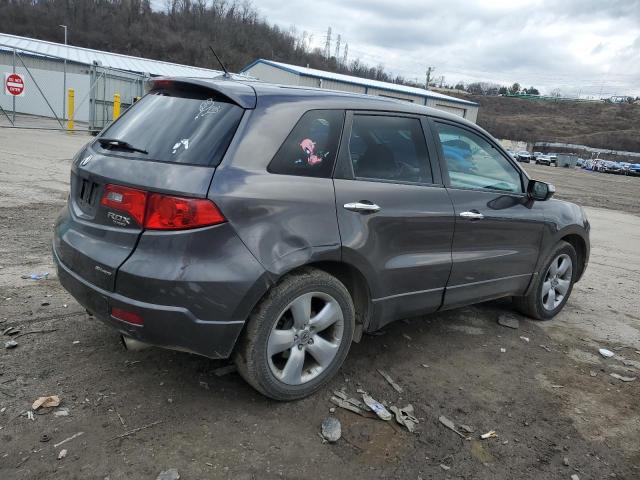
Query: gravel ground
point(551, 400)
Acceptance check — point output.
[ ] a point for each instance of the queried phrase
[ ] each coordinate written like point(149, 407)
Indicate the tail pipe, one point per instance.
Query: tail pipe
point(133, 345)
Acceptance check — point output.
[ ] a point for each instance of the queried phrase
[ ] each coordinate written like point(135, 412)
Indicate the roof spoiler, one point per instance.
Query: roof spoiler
point(236, 92)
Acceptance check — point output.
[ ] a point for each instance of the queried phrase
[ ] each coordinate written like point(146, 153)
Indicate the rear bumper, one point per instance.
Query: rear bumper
point(164, 326)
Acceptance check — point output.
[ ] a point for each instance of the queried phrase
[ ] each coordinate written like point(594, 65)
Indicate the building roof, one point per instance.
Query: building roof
point(391, 87)
point(88, 56)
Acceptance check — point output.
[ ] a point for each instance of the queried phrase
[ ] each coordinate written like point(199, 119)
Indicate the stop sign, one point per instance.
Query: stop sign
point(14, 84)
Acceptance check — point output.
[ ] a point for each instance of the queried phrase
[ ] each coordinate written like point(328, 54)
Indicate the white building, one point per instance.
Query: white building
point(285, 74)
point(94, 75)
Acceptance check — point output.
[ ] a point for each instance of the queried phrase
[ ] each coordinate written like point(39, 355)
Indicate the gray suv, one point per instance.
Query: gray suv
point(276, 225)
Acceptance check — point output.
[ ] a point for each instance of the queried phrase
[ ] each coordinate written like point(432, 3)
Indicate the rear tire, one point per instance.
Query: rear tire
point(298, 336)
point(553, 285)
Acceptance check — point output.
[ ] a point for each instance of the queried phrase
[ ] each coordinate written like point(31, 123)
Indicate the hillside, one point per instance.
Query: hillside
point(600, 125)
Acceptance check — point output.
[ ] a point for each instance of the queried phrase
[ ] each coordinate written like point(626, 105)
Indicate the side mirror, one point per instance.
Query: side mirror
point(540, 191)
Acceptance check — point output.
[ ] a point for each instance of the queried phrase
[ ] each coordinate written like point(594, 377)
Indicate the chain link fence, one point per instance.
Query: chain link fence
point(49, 82)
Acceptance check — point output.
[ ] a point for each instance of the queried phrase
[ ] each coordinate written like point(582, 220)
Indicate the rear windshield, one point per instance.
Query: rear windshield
point(177, 127)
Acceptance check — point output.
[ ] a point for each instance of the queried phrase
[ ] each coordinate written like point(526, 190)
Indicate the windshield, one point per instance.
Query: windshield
point(193, 128)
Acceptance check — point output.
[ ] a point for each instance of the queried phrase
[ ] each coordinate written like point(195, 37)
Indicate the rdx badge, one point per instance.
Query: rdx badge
point(118, 219)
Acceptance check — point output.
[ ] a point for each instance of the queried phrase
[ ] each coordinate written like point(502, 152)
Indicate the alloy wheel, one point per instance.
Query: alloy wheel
point(306, 338)
point(557, 281)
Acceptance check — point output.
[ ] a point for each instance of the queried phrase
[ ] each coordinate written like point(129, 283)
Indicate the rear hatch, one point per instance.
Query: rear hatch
point(169, 142)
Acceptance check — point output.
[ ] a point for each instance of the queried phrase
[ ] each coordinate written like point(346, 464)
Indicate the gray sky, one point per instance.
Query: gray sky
point(579, 46)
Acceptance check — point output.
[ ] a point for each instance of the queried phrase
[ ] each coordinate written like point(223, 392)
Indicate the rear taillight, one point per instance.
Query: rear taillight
point(162, 212)
point(125, 199)
point(165, 212)
point(127, 316)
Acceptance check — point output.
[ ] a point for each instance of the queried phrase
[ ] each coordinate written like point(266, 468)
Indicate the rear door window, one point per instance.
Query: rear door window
point(191, 127)
point(311, 147)
point(389, 148)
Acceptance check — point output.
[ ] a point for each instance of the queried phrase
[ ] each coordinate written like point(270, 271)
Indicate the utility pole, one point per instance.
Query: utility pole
point(64, 82)
point(346, 53)
point(337, 52)
point(429, 72)
point(327, 44)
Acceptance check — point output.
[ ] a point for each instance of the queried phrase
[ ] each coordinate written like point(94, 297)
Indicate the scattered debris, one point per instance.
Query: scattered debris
point(467, 428)
point(30, 415)
point(490, 434)
point(376, 407)
point(10, 331)
point(425, 365)
point(593, 373)
point(445, 467)
point(404, 416)
point(227, 369)
point(63, 412)
point(557, 386)
point(36, 331)
point(331, 429)
point(450, 425)
point(135, 430)
point(606, 353)
point(68, 439)
point(407, 336)
point(575, 477)
point(351, 404)
point(119, 417)
point(386, 376)
point(45, 438)
point(46, 402)
point(75, 342)
point(509, 321)
point(503, 350)
point(35, 276)
point(45, 304)
point(10, 344)
point(526, 339)
point(204, 385)
point(545, 347)
point(565, 461)
point(621, 378)
point(171, 474)
point(62, 454)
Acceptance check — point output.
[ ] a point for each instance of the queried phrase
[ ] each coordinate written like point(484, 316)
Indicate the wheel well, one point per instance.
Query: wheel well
point(580, 247)
point(357, 285)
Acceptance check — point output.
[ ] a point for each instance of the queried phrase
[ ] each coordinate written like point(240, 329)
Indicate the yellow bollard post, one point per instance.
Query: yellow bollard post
point(70, 108)
point(116, 106)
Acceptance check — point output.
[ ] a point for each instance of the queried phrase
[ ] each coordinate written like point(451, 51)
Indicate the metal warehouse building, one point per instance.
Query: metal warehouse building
point(282, 73)
point(94, 75)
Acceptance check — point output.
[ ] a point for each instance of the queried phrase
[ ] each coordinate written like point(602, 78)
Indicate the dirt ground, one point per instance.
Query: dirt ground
point(551, 400)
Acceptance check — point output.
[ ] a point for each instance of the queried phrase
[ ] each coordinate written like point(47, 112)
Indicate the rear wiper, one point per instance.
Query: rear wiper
point(121, 144)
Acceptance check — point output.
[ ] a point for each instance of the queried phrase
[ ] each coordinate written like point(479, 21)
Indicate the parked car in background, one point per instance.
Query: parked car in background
point(543, 160)
point(609, 166)
point(624, 166)
point(277, 225)
point(524, 156)
point(553, 157)
point(580, 162)
point(536, 155)
point(633, 169)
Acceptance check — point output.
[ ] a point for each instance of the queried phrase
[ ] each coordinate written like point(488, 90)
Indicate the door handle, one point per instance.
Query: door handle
point(472, 215)
point(362, 207)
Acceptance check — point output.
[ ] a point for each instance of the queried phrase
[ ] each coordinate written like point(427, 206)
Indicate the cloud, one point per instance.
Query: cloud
point(590, 46)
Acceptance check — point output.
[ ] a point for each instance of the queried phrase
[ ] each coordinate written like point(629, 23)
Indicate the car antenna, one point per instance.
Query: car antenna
point(226, 72)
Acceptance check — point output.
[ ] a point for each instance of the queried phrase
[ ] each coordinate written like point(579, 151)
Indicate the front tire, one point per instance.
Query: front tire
point(298, 336)
point(553, 285)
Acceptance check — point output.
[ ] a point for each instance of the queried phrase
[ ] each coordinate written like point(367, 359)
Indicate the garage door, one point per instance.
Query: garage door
point(455, 110)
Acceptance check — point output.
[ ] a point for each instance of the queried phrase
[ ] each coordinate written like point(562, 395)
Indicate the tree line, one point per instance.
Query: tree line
point(180, 32)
